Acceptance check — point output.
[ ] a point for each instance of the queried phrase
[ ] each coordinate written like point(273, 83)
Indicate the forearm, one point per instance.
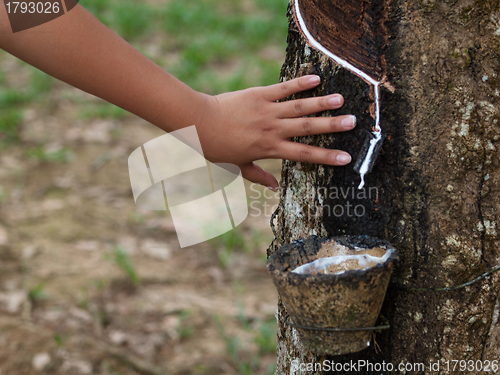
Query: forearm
point(76, 48)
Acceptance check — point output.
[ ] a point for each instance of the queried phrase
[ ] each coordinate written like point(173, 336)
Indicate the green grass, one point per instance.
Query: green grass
point(266, 336)
point(184, 330)
point(14, 101)
point(123, 261)
point(131, 18)
point(228, 243)
point(237, 240)
point(101, 9)
point(245, 362)
point(63, 155)
point(58, 340)
point(264, 332)
point(10, 118)
point(3, 195)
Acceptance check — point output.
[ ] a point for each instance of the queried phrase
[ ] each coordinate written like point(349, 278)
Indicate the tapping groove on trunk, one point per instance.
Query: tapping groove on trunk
point(353, 30)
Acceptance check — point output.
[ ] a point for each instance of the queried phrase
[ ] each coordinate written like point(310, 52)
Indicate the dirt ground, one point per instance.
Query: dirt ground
point(67, 217)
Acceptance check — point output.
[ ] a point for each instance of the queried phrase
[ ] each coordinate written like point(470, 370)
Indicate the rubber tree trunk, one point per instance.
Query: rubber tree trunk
point(434, 191)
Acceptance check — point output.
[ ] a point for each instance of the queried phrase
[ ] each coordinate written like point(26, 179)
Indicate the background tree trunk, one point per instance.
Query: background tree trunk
point(434, 191)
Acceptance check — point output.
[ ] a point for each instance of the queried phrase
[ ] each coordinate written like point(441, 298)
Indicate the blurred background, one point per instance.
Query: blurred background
point(90, 283)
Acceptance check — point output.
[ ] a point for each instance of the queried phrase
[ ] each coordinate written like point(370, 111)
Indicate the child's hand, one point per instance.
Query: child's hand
point(249, 125)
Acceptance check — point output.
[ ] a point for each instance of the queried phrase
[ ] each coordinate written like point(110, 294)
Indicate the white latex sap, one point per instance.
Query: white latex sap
point(357, 259)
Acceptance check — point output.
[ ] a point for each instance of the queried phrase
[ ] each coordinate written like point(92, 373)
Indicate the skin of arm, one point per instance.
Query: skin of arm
point(238, 127)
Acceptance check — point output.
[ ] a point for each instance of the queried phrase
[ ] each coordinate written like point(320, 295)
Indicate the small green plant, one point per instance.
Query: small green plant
point(11, 113)
point(3, 194)
point(259, 239)
point(63, 155)
point(137, 218)
point(227, 243)
point(234, 349)
point(14, 101)
point(242, 317)
point(183, 330)
point(271, 369)
point(100, 284)
point(9, 122)
point(58, 339)
point(266, 336)
point(11, 97)
point(123, 261)
point(37, 293)
point(246, 362)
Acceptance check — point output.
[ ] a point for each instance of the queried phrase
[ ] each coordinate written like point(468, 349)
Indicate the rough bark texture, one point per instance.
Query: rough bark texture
point(354, 30)
point(433, 192)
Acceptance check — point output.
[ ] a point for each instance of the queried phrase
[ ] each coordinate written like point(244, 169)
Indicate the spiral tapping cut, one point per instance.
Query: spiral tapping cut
point(374, 143)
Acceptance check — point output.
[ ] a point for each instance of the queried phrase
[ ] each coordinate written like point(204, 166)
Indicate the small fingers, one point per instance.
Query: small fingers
point(303, 107)
point(317, 125)
point(285, 89)
point(315, 155)
point(252, 172)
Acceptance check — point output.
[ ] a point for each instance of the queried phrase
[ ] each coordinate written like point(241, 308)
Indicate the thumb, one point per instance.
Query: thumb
point(252, 172)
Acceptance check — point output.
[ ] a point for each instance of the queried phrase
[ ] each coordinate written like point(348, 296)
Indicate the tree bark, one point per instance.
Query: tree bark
point(433, 192)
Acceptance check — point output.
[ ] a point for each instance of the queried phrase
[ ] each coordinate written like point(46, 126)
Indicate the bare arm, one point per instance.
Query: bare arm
point(237, 127)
